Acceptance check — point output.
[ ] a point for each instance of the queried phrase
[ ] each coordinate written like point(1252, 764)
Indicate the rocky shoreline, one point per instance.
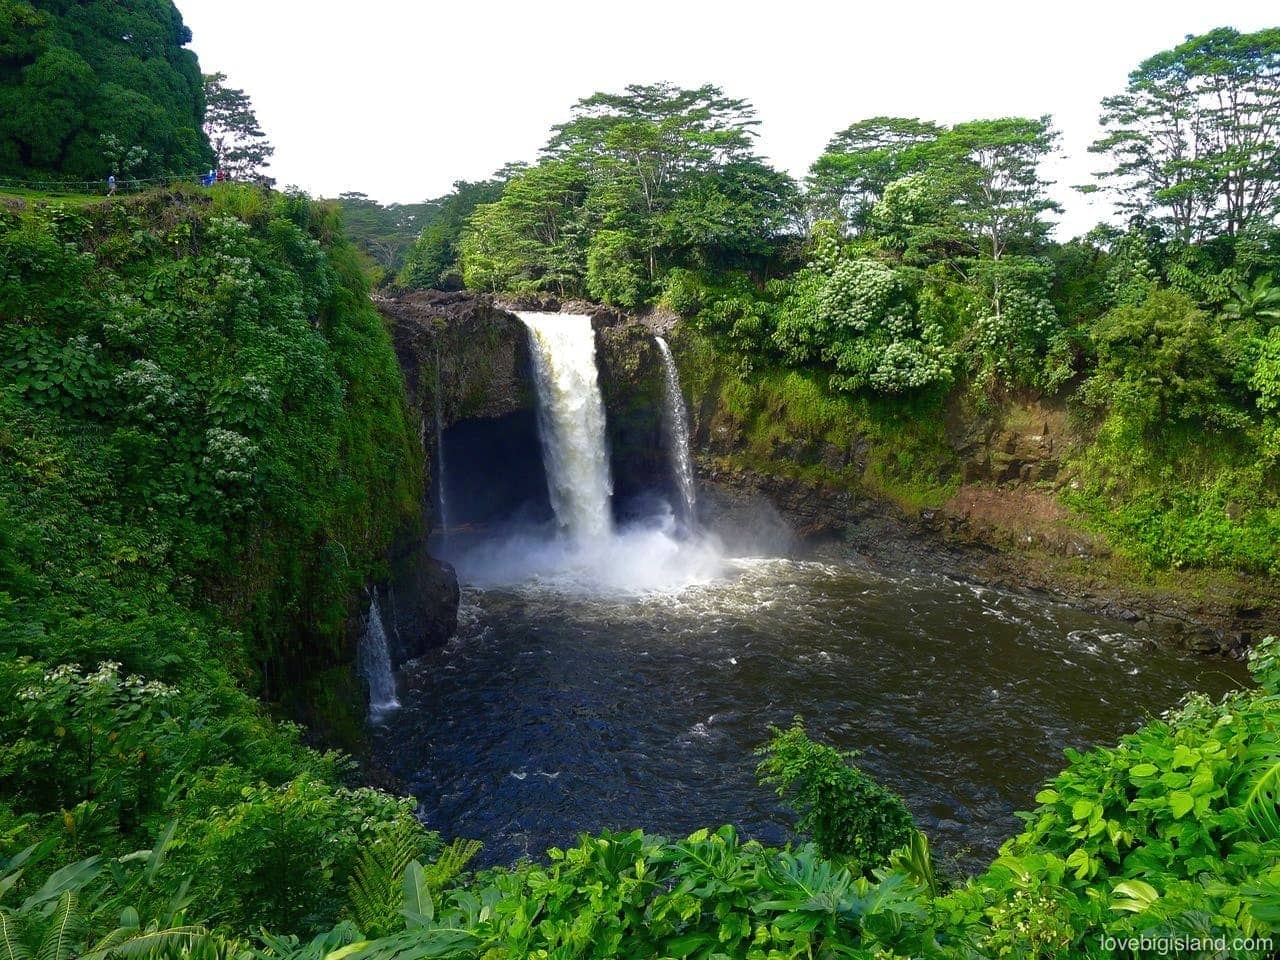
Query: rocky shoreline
point(1215, 615)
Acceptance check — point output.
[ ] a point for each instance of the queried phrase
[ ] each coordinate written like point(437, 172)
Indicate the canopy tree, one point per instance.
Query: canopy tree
point(860, 161)
point(84, 85)
point(432, 259)
point(652, 149)
point(633, 184)
point(1195, 137)
point(533, 237)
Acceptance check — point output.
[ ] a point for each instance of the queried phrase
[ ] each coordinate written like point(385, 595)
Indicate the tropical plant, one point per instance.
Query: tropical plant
point(851, 818)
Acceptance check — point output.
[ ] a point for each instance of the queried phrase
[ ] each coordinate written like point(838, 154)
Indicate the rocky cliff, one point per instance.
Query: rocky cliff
point(978, 497)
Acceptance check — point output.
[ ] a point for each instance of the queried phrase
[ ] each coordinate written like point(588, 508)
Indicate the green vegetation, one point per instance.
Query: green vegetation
point(91, 89)
point(913, 283)
point(1172, 834)
point(206, 454)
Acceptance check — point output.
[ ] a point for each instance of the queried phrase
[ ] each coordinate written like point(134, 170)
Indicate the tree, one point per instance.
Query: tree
point(860, 162)
point(72, 74)
point(994, 167)
point(242, 149)
point(432, 261)
point(1195, 137)
point(647, 147)
point(533, 238)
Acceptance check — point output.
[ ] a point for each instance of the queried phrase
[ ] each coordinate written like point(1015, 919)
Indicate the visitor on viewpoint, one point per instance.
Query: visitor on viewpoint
point(111, 185)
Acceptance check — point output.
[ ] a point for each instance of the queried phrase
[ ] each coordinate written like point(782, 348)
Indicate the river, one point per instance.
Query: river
point(557, 712)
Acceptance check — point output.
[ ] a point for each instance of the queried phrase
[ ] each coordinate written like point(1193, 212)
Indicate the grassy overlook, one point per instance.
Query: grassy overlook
point(205, 454)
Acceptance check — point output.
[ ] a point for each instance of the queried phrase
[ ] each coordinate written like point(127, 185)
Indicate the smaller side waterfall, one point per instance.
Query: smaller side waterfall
point(675, 421)
point(374, 661)
point(442, 492)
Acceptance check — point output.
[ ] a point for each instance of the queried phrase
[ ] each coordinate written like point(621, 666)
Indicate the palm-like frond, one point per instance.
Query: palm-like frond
point(186, 938)
point(375, 893)
point(451, 862)
point(60, 939)
point(11, 945)
point(1261, 804)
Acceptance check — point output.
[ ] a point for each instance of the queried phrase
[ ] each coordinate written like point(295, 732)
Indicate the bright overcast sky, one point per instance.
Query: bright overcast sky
point(398, 100)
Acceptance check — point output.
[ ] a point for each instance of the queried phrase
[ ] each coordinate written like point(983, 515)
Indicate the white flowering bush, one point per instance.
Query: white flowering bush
point(230, 463)
point(861, 315)
point(72, 734)
point(1010, 344)
point(150, 395)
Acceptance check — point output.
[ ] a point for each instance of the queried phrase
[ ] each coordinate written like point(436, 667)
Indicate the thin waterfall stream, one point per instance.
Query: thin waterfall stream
point(676, 426)
point(442, 488)
point(375, 664)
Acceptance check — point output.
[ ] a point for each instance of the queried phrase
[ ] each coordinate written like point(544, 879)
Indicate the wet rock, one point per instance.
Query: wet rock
point(484, 369)
point(419, 603)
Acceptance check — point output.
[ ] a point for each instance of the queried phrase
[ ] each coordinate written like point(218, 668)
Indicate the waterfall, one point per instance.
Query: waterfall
point(675, 422)
point(375, 664)
point(441, 492)
point(571, 423)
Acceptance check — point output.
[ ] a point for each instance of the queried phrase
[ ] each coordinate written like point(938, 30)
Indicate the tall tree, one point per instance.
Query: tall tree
point(432, 259)
point(649, 144)
point(231, 125)
point(1195, 137)
point(995, 167)
point(860, 161)
point(533, 237)
point(72, 74)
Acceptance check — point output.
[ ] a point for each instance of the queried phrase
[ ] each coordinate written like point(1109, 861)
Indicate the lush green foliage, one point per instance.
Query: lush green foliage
point(1170, 837)
point(88, 89)
point(383, 234)
point(631, 186)
point(1194, 139)
point(204, 455)
point(852, 819)
point(432, 258)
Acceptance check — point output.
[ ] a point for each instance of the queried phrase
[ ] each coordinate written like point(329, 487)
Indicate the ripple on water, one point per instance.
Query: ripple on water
point(642, 706)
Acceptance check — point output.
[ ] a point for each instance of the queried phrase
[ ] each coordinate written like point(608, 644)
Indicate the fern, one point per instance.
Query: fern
point(450, 863)
point(186, 938)
point(59, 941)
point(11, 947)
point(375, 893)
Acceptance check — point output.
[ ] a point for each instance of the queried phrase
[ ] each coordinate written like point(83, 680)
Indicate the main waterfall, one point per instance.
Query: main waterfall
point(585, 554)
point(571, 422)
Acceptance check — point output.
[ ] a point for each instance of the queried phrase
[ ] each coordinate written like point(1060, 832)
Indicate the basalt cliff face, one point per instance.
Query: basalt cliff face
point(997, 515)
point(469, 373)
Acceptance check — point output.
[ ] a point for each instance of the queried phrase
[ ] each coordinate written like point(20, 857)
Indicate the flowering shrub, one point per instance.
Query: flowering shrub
point(861, 316)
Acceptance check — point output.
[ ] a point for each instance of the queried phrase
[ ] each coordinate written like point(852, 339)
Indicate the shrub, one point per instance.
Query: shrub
point(850, 817)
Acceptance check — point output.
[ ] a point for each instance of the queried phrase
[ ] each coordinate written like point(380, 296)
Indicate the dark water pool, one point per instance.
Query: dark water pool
point(552, 714)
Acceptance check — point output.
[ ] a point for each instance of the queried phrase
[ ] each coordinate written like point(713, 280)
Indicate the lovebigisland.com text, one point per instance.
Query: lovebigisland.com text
point(1189, 946)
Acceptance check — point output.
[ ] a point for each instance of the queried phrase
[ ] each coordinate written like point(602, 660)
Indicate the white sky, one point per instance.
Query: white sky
point(399, 99)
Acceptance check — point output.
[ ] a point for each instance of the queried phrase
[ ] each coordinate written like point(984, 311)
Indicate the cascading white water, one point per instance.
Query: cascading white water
point(442, 491)
point(571, 423)
point(675, 422)
point(587, 556)
point(375, 664)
